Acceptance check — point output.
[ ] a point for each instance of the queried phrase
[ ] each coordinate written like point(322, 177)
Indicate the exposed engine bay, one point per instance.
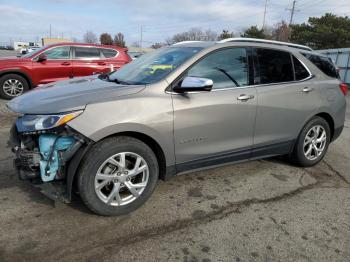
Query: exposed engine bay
point(43, 156)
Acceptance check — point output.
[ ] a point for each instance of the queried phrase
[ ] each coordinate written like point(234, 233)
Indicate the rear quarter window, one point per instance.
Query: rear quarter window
point(324, 64)
point(109, 53)
point(86, 52)
point(301, 72)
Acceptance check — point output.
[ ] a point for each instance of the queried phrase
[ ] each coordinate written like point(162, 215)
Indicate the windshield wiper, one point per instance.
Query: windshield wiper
point(104, 76)
point(227, 74)
point(117, 81)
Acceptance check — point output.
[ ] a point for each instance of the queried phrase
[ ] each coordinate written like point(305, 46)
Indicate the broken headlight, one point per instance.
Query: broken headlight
point(31, 123)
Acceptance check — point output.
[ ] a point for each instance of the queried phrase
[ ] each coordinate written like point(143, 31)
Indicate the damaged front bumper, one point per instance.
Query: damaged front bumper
point(49, 159)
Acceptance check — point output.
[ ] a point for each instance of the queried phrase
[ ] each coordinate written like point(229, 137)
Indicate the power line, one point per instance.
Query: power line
point(311, 3)
point(212, 20)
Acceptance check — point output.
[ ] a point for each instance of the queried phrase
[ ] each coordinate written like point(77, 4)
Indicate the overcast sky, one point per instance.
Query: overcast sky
point(30, 20)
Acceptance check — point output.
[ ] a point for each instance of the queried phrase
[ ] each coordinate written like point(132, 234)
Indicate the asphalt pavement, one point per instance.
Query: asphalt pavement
point(265, 210)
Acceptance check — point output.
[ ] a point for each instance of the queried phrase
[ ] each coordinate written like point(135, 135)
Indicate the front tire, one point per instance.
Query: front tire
point(12, 85)
point(312, 143)
point(117, 176)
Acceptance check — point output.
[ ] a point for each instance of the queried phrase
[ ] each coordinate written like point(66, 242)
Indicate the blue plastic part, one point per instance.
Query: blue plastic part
point(46, 142)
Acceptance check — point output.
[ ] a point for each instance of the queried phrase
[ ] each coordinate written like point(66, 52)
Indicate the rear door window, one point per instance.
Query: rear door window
point(274, 66)
point(324, 64)
point(87, 53)
point(300, 71)
point(109, 53)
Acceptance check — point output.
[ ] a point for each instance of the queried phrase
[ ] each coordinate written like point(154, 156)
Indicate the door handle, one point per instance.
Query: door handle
point(65, 63)
point(245, 97)
point(307, 89)
point(101, 63)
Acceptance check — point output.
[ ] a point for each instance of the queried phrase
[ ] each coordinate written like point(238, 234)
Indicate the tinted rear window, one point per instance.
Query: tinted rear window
point(108, 53)
point(275, 66)
point(324, 64)
point(87, 52)
point(300, 70)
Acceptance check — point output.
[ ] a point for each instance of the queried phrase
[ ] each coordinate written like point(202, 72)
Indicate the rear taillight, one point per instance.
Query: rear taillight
point(344, 88)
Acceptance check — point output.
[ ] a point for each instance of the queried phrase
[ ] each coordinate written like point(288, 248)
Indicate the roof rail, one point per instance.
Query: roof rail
point(255, 40)
point(186, 42)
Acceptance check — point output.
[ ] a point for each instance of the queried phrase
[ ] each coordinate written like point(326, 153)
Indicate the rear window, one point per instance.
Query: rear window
point(87, 52)
point(108, 53)
point(324, 64)
point(275, 66)
point(300, 70)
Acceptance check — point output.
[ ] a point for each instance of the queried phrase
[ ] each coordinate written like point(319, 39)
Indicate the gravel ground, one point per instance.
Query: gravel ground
point(263, 210)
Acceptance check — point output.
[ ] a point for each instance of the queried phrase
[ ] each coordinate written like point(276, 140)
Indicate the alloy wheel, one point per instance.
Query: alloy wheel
point(315, 142)
point(13, 87)
point(121, 179)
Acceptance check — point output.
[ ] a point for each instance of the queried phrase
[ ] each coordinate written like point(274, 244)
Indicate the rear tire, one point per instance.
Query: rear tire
point(12, 85)
point(121, 191)
point(312, 143)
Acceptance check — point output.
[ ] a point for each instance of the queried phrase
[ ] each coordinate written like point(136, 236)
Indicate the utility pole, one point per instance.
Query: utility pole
point(292, 12)
point(141, 36)
point(264, 19)
point(50, 30)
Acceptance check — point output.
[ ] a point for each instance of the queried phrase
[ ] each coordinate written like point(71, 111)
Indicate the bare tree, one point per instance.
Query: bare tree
point(194, 34)
point(156, 45)
point(90, 37)
point(135, 44)
point(119, 40)
point(281, 32)
point(210, 35)
point(106, 39)
point(75, 40)
point(169, 41)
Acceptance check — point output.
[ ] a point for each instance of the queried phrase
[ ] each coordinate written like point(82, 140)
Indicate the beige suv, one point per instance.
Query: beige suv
point(181, 108)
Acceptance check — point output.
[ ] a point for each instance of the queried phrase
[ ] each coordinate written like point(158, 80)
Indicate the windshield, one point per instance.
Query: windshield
point(153, 66)
point(34, 52)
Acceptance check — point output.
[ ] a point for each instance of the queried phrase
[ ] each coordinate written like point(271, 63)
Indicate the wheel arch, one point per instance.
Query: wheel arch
point(329, 120)
point(74, 164)
point(326, 116)
point(20, 73)
point(152, 143)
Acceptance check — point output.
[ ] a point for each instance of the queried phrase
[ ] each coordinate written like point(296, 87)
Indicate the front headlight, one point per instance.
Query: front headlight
point(30, 123)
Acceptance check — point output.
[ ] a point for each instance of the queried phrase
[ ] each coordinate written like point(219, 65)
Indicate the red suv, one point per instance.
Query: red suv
point(57, 62)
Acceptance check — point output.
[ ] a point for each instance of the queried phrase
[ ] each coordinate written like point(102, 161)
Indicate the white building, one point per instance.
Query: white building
point(19, 45)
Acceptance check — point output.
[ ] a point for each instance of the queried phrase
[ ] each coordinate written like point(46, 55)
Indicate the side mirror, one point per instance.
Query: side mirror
point(41, 58)
point(194, 84)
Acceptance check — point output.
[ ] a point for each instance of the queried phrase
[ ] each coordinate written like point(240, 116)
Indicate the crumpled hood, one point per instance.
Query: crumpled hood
point(69, 95)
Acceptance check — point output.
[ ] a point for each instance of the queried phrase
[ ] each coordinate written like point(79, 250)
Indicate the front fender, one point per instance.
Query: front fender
point(150, 114)
point(164, 142)
point(21, 72)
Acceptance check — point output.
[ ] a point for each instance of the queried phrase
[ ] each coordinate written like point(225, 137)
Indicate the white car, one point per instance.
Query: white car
point(26, 50)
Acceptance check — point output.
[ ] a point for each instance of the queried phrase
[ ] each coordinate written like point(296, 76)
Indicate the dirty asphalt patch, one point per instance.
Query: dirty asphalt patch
point(259, 211)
